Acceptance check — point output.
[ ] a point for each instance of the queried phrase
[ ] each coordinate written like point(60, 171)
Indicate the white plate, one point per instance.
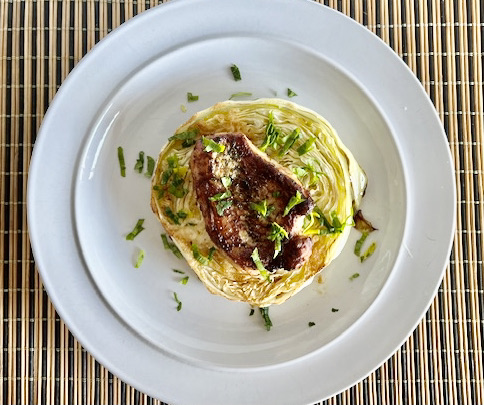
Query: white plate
point(127, 92)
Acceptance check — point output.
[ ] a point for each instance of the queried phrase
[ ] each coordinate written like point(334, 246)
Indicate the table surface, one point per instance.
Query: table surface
point(441, 42)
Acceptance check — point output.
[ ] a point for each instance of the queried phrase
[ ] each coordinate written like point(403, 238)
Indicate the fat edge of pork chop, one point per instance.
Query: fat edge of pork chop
point(231, 219)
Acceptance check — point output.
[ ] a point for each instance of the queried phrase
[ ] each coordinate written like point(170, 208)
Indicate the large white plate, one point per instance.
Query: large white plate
point(127, 92)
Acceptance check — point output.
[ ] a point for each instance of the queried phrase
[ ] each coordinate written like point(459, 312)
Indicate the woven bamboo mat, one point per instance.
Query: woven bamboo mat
point(441, 362)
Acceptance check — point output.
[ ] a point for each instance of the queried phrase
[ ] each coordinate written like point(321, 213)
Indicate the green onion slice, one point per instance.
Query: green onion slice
point(222, 206)
point(198, 256)
point(141, 256)
point(177, 192)
point(295, 200)
point(184, 280)
point(265, 315)
point(235, 72)
point(211, 252)
point(310, 324)
point(136, 230)
point(306, 146)
point(272, 133)
point(356, 275)
point(191, 97)
point(226, 181)
point(187, 135)
point(359, 243)
point(122, 164)
point(368, 252)
point(290, 141)
point(290, 93)
point(258, 263)
point(171, 246)
point(260, 207)
point(277, 234)
point(172, 161)
point(211, 145)
point(170, 214)
point(221, 196)
point(179, 306)
point(150, 166)
point(240, 94)
point(140, 162)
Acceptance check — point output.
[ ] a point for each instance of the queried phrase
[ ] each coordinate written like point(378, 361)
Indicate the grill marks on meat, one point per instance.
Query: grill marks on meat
point(255, 178)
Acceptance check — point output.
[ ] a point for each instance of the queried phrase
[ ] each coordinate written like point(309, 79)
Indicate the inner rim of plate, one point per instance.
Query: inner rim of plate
point(140, 116)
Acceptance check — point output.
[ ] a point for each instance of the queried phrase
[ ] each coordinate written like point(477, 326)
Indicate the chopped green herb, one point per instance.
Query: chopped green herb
point(226, 181)
point(198, 256)
point(140, 162)
point(160, 191)
point(179, 306)
point(251, 312)
point(334, 309)
point(188, 137)
point(137, 229)
point(222, 206)
point(177, 191)
point(290, 141)
point(165, 176)
point(295, 200)
point(276, 194)
point(170, 214)
point(260, 207)
point(180, 172)
point(178, 271)
point(265, 315)
point(211, 145)
point(277, 234)
point(171, 246)
point(335, 227)
point(150, 166)
point(359, 243)
point(306, 146)
point(183, 108)
point(187, 143)
point(221, 196)
point(290, 93)
point(272, 133)
point(181, 214)
point(235, 73)
point(299, 172)
point(310, 324)
point(356, 275)
point(240, 94)
point(122, 164)
point(172, 161)
point(191, 97)
point(211, 252)
point(368, 252)
point(258, 263)
point(184, 280)
point(141, 256)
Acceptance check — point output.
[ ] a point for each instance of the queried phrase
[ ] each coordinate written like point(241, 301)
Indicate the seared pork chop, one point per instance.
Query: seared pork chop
point(242, 193)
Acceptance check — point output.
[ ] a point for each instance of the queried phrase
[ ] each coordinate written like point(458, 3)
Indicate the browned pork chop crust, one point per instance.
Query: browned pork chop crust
point(239, 229)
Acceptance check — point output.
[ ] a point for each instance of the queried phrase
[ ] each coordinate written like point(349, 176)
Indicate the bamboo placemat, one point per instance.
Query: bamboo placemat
point(441, 362)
